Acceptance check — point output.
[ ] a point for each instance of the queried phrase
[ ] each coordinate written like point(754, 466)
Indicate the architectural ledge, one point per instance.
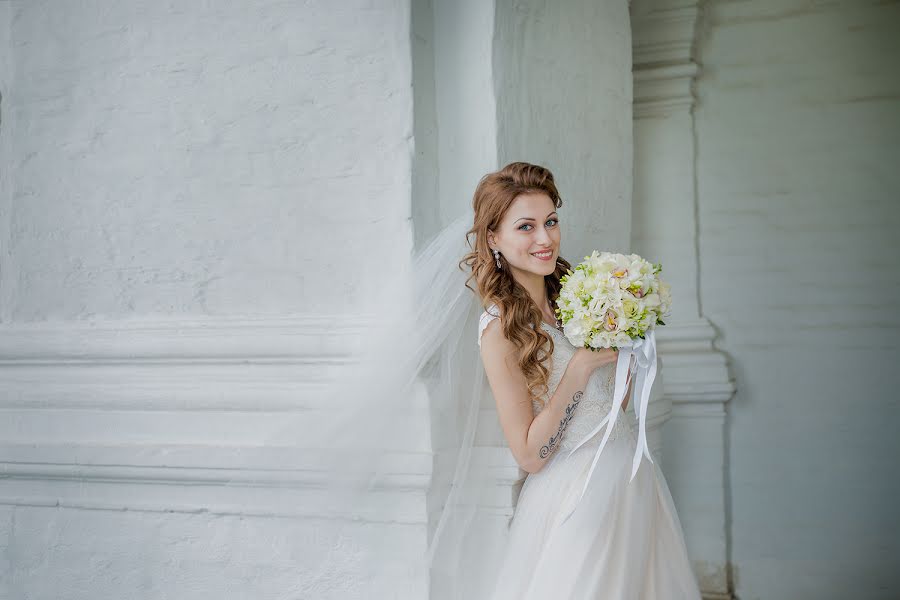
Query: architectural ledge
point(663, 35)
point(660, 91)
point(270, 481)
point(694, 370)
point(178, 341)
point(226, 416)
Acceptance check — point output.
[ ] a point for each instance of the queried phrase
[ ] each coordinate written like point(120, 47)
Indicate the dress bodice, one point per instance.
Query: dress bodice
point(598, 394)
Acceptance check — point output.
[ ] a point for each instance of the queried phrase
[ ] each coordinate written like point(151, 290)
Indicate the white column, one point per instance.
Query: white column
point(695, 379)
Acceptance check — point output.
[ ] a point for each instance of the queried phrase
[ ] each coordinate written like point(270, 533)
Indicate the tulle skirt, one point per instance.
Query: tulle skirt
point(624, 541)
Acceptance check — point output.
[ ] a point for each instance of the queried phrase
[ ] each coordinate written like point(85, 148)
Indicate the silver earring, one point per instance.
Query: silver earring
point(497, 258)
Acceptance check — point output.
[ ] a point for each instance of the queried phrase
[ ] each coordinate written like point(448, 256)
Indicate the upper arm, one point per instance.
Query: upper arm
point(509, 387)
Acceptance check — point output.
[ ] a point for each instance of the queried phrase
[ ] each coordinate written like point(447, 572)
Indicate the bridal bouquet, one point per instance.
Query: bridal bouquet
point(616, 301)
point(610, 299)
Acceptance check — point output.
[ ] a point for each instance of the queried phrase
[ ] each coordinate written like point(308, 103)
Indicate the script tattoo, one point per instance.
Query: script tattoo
point(554, 441)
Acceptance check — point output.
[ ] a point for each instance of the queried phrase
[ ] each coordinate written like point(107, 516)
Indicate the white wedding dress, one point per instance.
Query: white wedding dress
point(623, 542)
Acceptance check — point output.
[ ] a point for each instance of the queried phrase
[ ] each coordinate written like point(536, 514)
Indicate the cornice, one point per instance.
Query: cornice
point(270, 481)
point(664, 35)
point(116, 415)
point(663, 59)
point(188, 340)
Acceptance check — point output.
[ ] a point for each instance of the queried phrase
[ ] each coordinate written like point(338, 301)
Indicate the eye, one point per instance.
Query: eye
point(524, 225)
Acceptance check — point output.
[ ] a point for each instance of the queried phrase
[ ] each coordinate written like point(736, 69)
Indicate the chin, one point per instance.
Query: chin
point(545, 269)
point(550, 268)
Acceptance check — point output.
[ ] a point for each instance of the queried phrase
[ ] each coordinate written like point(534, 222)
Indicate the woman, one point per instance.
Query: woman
point(624, 540)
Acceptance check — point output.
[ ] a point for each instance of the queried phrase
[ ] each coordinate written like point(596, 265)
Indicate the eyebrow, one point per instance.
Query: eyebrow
point(530, 219)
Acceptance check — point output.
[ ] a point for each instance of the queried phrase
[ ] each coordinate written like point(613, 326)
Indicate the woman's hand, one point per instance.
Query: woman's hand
point(589, 360)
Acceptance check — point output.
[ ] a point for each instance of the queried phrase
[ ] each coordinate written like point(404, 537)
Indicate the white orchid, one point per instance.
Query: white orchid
point(610, 299)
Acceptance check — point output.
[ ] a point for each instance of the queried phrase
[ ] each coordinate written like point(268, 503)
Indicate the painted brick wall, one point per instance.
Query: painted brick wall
point(798, 129)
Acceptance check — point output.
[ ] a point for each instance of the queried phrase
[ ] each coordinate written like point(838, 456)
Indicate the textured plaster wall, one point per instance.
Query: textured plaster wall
point(6, 158)
point(200, 158)
point(564, 93)
point(466, 105)
point(798, 133)
point(57, 554)
point(192, 162)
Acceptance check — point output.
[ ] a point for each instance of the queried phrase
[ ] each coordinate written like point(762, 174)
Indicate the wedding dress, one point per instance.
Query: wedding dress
point(623, 541)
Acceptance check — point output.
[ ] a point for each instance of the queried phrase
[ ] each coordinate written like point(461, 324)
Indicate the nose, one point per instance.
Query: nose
point(543, 238)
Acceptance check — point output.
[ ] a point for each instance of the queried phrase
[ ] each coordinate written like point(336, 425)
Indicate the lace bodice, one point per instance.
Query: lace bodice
point(598, 393)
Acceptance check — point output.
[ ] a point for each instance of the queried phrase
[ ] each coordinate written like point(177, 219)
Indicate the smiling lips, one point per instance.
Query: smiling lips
point(545, 255)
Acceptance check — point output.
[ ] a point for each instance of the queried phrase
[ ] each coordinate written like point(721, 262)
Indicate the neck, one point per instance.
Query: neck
point(534, 285)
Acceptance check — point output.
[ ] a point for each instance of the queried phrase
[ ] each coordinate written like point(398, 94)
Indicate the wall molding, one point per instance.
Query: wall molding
point(271, 481)
point(299, 339)
point(663, 63)
point(228, 364)
point(695, 371)
point(663, 34)
point(113, 415)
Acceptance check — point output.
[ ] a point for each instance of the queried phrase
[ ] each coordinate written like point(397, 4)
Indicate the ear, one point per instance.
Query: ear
point(491, 241)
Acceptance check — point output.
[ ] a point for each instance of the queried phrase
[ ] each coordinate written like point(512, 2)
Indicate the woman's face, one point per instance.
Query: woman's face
point(527, 232)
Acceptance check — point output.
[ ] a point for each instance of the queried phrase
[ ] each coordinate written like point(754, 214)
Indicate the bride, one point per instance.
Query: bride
point(624, 539)
point(580, 530)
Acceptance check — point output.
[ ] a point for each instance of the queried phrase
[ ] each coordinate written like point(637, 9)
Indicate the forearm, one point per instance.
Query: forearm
point(549, 425)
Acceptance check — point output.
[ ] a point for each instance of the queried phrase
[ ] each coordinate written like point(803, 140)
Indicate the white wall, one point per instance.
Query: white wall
point(798, 134)
point(425, 170)
point(199, 159)
point(564, 93)
point(178, 182)
point(466, 105)
point(6, 169)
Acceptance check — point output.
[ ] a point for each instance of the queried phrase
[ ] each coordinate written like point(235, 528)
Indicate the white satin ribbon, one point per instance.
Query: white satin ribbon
point(644, 351)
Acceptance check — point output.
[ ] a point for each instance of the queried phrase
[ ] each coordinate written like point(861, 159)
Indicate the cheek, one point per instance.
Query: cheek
point(523, 246)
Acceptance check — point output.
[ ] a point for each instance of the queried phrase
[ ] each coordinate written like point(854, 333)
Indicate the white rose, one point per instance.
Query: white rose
point(651, 300)
point(622, 339)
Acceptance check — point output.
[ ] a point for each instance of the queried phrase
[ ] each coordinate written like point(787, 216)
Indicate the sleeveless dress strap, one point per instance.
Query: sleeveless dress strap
point(486, 317)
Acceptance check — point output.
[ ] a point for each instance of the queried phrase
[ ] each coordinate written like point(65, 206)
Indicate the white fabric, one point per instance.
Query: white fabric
point(624, 541)
point(420, 340)
point(644, 352)
point(486, 317)
point(417, 354)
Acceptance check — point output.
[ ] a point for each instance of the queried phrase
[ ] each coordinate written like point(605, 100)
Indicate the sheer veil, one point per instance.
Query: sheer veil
point(417, 363)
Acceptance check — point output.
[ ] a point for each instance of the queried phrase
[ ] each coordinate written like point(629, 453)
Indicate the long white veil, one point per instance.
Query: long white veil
point(418, 363)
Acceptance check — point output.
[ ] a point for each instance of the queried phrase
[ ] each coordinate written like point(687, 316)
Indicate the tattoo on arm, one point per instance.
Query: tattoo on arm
point(554, 440)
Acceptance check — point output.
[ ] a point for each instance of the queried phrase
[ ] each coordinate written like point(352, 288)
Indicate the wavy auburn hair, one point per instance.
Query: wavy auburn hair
point(521, 316)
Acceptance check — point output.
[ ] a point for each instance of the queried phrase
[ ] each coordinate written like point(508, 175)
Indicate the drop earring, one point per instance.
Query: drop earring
point(497, 258)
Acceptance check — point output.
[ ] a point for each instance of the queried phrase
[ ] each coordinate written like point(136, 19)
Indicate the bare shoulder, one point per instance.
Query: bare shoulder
point(494, 345)
point(492, 335)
